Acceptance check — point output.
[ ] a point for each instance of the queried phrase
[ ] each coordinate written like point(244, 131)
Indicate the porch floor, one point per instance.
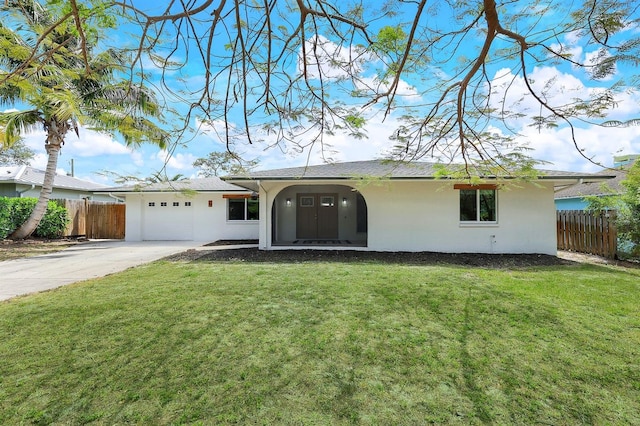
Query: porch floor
point(321, 242)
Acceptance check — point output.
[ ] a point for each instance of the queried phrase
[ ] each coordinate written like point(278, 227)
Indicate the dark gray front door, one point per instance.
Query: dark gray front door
point(317, 216)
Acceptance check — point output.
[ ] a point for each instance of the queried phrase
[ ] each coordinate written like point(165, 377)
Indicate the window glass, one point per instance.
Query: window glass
point(468, 208)
point(487, 205)
point(236, 209)
point(478, 205)
point(252, 209)
point(326, 201)
point(243, 209)
point(306, 201)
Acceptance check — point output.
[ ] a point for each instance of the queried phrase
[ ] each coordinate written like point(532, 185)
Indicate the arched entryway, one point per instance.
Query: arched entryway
point(319, 216)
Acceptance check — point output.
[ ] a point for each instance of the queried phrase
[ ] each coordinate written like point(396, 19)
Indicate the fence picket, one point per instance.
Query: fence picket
point(587, 232)
point(94, 219)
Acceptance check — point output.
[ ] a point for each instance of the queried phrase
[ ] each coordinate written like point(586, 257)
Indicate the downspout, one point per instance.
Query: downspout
point(120, 200)
point(28, 189)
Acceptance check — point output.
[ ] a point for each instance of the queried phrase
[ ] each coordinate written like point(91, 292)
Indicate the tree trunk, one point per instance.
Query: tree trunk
point(54, 142)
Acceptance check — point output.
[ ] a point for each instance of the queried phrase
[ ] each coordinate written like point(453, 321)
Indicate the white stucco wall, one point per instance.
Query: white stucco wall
point(424, 216)
point(198, 222)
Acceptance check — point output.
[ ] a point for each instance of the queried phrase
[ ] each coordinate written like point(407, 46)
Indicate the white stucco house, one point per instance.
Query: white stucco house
point(382, 206)
point(189, 210)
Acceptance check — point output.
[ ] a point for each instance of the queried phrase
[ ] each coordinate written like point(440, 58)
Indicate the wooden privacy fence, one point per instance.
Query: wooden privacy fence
point(94, 219)
point(588, 232)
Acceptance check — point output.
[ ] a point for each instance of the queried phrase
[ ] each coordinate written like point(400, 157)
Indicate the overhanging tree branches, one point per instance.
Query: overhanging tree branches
point(286, 74)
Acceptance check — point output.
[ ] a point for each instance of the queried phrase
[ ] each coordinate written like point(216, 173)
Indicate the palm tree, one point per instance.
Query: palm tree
point(65, 86)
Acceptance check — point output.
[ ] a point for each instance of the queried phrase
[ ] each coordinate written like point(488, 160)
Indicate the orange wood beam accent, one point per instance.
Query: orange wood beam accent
point(234, 196)
point(478, 186)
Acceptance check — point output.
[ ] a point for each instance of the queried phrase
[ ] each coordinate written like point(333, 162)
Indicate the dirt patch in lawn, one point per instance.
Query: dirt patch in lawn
point(10, 249)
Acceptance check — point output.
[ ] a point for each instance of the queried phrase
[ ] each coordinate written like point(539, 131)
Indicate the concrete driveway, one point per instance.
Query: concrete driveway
point(81, 262)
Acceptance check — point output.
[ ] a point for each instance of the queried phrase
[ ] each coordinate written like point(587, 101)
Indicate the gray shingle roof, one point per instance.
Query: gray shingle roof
point(378, 168)
point(213, 184)
point(594, 188)
point(29, 176)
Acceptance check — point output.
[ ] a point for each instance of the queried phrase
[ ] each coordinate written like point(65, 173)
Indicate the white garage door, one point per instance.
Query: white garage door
point(167, 220)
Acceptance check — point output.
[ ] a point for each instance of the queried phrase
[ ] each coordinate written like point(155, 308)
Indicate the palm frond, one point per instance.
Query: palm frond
point(16, 123)
point(47, 66)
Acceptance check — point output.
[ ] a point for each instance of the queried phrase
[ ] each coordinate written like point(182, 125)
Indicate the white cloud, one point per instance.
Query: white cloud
point(177, 161)
point(573, 51)
point(555, 145)
point(551, 85)
point(570, 46)
point(215, 129)
point(326, 58)
point(406, 91)
point(89, 144)
point(597, 56)
point(137, 158)
point(39, 161)
point(597, 143)
point(556, 89)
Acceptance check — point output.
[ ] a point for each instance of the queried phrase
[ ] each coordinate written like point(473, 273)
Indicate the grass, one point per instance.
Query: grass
point(326, 343)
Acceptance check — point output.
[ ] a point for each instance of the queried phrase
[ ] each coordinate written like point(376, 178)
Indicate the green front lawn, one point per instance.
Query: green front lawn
point(326, 343)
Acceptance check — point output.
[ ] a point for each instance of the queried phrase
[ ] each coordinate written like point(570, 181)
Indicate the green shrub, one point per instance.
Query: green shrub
point(53, 223)
point(5, 217)
point(21, 208)
point(15, 211)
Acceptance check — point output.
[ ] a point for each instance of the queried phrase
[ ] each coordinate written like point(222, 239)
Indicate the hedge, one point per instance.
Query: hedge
point(15, 211)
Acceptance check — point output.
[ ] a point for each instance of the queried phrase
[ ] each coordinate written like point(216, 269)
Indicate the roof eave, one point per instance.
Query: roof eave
point(246, 180)
point(168, 191)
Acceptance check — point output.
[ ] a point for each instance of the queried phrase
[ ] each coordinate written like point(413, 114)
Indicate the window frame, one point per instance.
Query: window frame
point(247, 214)
point(478, 189)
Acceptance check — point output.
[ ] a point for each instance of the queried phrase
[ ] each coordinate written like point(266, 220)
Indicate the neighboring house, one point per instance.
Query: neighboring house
point(191, 210)
point(572, 197)
point(25, 181)
point(381, 206)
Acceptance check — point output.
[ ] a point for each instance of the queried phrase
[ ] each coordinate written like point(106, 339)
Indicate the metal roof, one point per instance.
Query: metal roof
point(27, 175)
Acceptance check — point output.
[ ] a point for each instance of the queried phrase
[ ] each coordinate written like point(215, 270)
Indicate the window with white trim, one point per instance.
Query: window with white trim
point(242, 209)
point(478, 205)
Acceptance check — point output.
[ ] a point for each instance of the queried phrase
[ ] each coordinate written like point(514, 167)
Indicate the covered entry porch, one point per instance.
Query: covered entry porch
point(318, 216)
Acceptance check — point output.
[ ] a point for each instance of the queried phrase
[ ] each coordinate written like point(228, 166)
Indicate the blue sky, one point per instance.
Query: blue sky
point(93, 154)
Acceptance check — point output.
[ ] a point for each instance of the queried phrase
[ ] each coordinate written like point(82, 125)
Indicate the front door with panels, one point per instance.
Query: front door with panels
point(317, 216)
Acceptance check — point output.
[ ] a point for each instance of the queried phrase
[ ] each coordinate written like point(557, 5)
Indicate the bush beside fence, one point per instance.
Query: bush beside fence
point(15, 211)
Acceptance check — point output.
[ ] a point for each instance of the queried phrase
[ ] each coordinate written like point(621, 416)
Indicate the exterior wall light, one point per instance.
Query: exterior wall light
point(288, 202)
point(344, 201)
